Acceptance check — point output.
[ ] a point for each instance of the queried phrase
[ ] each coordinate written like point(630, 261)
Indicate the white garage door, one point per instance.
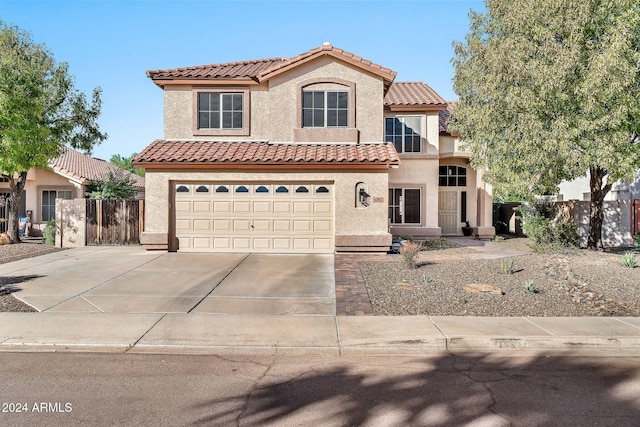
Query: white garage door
point(256, 217)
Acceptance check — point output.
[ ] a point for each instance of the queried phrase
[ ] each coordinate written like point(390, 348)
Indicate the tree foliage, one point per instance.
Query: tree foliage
point(40, 112)
point(115, 185)
point(549, 90)
point(126, 163)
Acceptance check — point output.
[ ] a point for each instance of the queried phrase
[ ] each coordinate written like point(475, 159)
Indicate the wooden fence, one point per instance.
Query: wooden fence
point(114, 222)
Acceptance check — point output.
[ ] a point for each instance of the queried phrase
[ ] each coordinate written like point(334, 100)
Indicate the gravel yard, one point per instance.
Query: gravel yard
point(577, 283)
point(9, 253)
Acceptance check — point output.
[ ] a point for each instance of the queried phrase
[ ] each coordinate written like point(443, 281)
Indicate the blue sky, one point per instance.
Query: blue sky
point(111, 44)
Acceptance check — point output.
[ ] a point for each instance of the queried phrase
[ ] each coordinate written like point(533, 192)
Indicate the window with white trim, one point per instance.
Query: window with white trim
point(404, 133)
point(49, 202)
point(220, 110)
point(404, 205)
point(325, 109)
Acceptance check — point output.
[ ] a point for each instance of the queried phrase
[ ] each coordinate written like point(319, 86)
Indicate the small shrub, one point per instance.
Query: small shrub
point(407, 237)
point(530, 287)
point(409, 252)
point(426, 279)
point(629, 260)
point(49, 233)
point(498, 239)
point(506, 267)
point(636, 239)
point(439, 243)
point(545, 233)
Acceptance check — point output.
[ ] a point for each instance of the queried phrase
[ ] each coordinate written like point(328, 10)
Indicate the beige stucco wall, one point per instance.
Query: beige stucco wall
point(349, 220)
point(275, 108)
point(283, 93)
point(179, 115)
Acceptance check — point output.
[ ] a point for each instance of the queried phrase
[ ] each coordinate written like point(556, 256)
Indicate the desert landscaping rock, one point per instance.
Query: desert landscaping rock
point(575, 283)
point(482, 288)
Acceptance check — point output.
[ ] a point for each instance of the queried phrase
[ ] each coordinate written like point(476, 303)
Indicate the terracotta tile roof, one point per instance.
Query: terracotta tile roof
point(243, 69)
point(412, 94)
point(264, 153)
point(262, 69)
point(327, 49)
point(82, 167)
point(444, 116)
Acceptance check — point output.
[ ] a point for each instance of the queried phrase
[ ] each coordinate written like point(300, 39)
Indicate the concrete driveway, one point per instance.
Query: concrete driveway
point(132, 280)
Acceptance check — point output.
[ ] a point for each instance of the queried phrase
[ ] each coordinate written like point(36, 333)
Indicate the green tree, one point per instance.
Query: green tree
point(40, 112)
point(126, 163)
point(549, 90)
point(115, 185)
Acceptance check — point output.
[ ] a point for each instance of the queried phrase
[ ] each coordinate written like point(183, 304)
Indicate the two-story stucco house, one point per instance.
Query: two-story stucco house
point(321, 152)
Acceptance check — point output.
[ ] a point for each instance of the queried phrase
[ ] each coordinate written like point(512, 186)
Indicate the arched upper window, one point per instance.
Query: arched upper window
point(282, 189)
point(222, 189)
point(182, 189)
point(302, 189)
point(242, 189)
point(322, 189)
point(202, 189)
point(262, 189)
point(452, 176)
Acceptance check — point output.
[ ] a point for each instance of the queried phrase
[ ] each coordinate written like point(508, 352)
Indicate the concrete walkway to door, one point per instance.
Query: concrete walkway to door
point(131, 280)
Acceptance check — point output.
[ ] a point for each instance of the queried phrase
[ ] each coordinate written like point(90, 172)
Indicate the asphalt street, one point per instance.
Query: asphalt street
point(489, 389)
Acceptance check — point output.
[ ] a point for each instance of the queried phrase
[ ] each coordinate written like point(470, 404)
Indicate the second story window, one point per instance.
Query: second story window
point(325, 109)
point(404, 133)
point(220, 110)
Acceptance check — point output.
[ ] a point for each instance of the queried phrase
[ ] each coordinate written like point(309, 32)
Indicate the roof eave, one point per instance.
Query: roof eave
point(388, 77)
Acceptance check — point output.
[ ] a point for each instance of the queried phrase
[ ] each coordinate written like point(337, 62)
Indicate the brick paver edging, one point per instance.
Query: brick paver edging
point(352, 297)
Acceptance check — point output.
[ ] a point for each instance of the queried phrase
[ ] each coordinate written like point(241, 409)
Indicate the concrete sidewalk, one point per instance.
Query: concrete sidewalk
point(315, 335)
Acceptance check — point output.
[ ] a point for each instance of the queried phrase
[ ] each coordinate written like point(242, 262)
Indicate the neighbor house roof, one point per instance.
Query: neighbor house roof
point(263, 69)
point(81, 167)
point(444, 116)
point(162, 152)
point(416, 95)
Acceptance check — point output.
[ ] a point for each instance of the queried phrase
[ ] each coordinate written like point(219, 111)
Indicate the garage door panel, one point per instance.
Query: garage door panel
point(261, 244)
point(241, 225)
point(201, 243)
point(242, 207)
point(183, 224)
point(255, 221)
point(201, 207)
point(301, 207)
point(262, 207)
point(281, 225)
point(221, 243)
point(282, 207)
point(322, 226)
point(221, 207)
point(202, 224)
point(303, 243)
point(322, 244)
point(281, 244)
point(183, 206)
point(301, 226)
point(221, 225)
point(322, 207)
point(262, 225)
point(242, 243)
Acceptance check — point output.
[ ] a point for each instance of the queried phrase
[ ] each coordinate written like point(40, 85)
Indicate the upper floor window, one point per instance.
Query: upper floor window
point(220, 110)
point(325, 108)
point(404, 133)
point(452, 176)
